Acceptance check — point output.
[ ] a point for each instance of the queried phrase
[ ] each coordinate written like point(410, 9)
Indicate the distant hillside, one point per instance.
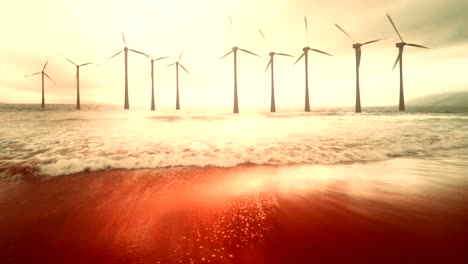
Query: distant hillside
point(454, 99)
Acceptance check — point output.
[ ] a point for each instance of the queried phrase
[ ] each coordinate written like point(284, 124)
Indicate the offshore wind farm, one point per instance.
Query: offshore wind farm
point(274, 152)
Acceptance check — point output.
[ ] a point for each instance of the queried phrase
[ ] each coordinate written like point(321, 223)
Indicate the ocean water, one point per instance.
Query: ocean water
point(59, 140)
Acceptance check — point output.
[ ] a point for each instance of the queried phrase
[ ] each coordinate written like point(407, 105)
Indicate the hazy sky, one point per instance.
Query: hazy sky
point(89, 30)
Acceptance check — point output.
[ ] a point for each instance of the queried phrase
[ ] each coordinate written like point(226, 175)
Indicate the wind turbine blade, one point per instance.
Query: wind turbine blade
point(373, 41)
point(249, 52)
point(160, 58)
point(393, 24)
point(180, 56)
point(263, 36)
point(84, 64)
point(225, 55)
point(32, 74)
point(170, 64)
point(123, 37)
point(359, 57)
point(396, 62)
point(68, 59)
point(232, 30)
point(299, 58)
point(184, 68)
point(342, 30)
point(284, 54)
point(115, 55)
point(45, 65)
point(99, 64)
point(268, 65)
point(261, 33)
point(307, 31)
point(323, 52)
point(418, 46)
point(49, 77)
point(139, 52)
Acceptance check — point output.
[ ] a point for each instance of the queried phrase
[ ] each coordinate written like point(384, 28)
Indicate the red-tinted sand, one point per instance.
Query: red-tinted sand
point(249, 214)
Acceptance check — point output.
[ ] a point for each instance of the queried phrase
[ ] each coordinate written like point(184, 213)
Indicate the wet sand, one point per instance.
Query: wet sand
point(400, 210)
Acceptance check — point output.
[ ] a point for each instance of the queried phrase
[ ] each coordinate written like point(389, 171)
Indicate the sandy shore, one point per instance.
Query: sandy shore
point(395, 211)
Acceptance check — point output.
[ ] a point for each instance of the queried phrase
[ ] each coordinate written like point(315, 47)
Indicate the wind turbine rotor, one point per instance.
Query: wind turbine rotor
point(180, 56)
point(393, 24)
point(84, 64)
point(307, 31)
point(171, 64)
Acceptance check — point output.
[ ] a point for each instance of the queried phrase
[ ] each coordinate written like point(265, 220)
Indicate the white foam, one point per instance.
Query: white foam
point(68, 142)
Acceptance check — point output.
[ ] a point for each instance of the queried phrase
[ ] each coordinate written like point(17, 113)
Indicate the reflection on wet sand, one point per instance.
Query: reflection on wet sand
point(405, 210)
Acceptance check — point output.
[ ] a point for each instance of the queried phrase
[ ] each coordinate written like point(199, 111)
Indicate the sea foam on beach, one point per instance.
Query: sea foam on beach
point(61, 141)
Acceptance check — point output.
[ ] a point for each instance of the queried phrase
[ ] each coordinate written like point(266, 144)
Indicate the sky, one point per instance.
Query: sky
point(90, 31)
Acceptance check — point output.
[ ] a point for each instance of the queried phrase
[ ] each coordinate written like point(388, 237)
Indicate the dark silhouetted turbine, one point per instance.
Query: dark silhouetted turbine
point(271, 63)
point(125, 50)
point(401, 45)
point(77, 80)
point(357, 47)
point(43, 73)
point(306, 55)
point(152, 59)
point(177, 64)
point(234, 51)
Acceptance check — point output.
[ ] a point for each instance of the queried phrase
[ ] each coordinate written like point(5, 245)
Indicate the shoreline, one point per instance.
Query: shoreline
point(386, 212)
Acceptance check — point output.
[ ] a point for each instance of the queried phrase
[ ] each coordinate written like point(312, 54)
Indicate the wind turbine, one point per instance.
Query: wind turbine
point(152, 78)
point(357, 48)
point(271, 62)
point(306, 54)
point(77, 81)
point(125, 50)
point(400, 46)
point(177, 64)
point(234, 50)
point(42, 73)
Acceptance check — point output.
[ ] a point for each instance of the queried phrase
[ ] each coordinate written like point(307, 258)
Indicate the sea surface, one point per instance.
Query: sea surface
point(60, 140)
